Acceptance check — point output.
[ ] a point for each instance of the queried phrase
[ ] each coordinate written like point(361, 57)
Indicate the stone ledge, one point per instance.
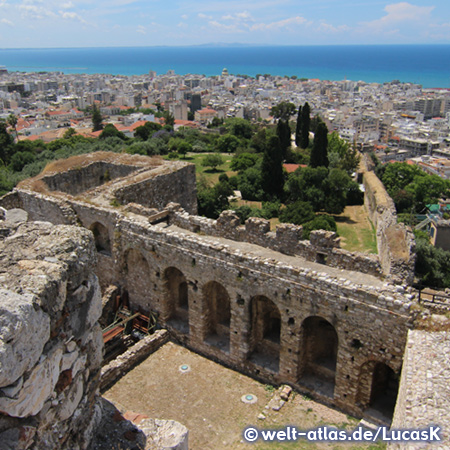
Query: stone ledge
point(134, 355)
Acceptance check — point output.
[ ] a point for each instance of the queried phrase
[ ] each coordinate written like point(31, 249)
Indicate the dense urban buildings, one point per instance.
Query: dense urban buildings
point(399, 121)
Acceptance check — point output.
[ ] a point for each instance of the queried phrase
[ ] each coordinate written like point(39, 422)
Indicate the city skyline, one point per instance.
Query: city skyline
point(85, 23)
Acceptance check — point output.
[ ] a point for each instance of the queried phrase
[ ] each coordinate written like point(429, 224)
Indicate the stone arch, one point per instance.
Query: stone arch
point(319, 350)
point(378, 388)
point(101, 237)
point(138, 282)
point(216, 315)
point(265, 332)
point(177, 299)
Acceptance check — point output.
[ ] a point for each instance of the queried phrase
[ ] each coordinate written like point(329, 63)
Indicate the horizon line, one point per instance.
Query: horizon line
point(224, 44)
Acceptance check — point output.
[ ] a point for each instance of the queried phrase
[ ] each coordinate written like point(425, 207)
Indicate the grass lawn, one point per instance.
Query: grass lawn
point(210, 174)
point(356, 231)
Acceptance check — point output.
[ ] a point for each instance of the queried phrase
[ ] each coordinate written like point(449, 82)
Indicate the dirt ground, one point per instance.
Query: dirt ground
point(207, 400)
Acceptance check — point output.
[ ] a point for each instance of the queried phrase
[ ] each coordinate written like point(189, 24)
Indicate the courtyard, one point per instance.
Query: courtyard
point(175, 383)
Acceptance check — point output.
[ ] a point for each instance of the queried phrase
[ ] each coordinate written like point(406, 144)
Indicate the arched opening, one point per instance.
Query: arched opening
point(384, 390)
point(217, 315)
point(265, 332)
point(101, 237)
point(138, 282)
point(177, 299)
point(319, 353)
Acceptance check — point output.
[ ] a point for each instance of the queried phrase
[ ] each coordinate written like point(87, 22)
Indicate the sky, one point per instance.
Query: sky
point(113, 23)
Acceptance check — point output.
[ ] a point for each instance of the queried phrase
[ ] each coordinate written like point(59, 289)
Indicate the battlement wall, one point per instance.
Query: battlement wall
point(323, 246)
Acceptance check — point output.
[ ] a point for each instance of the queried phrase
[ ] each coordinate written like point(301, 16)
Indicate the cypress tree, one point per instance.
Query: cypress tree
point(298, 128)
point(97, 119)
point(284, 135)
point(319, 152)
point(272, 177)
point(305, 125)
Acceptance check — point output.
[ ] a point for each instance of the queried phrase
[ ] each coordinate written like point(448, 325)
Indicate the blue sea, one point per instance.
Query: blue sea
point(428, 65)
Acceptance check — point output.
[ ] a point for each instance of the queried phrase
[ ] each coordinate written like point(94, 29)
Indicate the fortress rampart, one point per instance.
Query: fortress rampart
point(269, 304)
point(395, 241)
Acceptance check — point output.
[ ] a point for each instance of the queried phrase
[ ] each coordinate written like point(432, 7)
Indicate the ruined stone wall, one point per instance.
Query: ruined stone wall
point(177, 274)
point(371, 322)
point(165, 187)
point(50, 342)
point(78, 180)
point(424, 395)
point(323, 246)
point(395, 241)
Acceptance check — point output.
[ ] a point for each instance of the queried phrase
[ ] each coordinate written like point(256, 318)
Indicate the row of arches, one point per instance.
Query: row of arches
point(318, 337)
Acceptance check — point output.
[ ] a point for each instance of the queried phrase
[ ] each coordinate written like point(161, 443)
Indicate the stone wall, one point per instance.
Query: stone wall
point(274, 306)
point(395, 241)
point(323, 246)
point(133, 356)
point(164, 187)
point(82, 179)
point(50, 341)
point(424, 395)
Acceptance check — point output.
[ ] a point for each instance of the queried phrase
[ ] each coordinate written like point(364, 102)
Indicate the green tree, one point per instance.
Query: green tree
point(238, 127)
point(97, 119)
point(111, 131)
point(297, 213)
point(272, 176)
point(249, 183)
point(169, 119)
point(6, 143)
point(341, 154)
point(319, 152)
point(144, 132)
point(326, 190)
point(69, 133)
point(305, 126)
point(179, 145)
point(243, 161)
point(212, 160)
point(432, 263)
point(283, 111)
point(213, 200)
point(284, 135)
point(298, 127)
point(12, 122)
point(320, 222)
point(228, 143)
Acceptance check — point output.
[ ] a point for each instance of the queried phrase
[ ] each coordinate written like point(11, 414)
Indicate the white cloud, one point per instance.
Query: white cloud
point(401, 12)
point(141, 29)
point(204, 16)
point(185, 17)
point(286, 23)
point(71, 16)
point(67, 5)
point(328, 28)
point(242, 16)
point(36, 12)
point(7, 22)
point(231, 28)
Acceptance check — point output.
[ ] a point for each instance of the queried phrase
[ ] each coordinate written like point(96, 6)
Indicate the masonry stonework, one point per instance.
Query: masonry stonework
point(270, 304)
point(50, 341)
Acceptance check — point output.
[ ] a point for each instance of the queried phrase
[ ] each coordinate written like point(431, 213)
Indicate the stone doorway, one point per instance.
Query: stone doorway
point(101, 237)
point(177, 299)
point(217, 315)
point(319, 354)
point(265, 332)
